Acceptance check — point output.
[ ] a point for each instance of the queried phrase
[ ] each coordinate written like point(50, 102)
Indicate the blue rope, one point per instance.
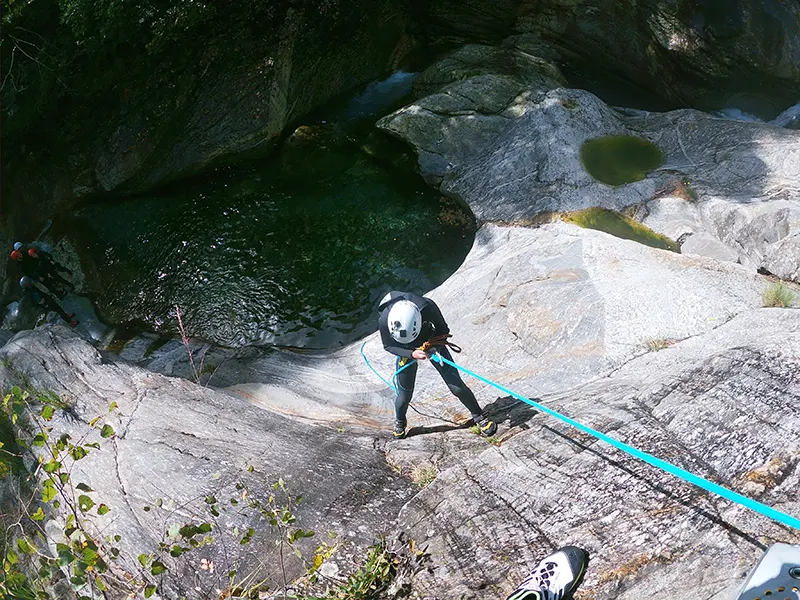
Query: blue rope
point(763, 509)
point(393, 387)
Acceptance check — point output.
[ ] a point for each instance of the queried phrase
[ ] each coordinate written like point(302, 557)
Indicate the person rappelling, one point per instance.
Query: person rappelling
point(411, 328)
point(39, 297)
point(41, 266)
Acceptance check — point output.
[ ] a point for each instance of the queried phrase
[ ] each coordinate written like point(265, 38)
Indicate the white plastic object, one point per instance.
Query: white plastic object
point(775, 577)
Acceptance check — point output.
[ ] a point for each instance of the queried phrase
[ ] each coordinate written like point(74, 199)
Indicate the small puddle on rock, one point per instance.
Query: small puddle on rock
point(619, 159)
point(620, 226)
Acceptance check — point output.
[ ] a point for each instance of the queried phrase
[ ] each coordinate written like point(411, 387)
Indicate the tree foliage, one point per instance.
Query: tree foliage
point(71, 58)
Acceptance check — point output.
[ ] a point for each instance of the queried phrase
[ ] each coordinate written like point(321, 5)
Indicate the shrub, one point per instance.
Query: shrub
point(778, 295)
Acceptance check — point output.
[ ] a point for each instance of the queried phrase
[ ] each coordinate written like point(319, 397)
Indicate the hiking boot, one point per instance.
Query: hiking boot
point(399, 430)
point(556, 577)
point(487, 426)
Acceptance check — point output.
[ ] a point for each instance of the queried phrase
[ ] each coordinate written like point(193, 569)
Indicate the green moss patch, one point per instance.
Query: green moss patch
point(620, 226)
point(619, 159)
point(10, 461)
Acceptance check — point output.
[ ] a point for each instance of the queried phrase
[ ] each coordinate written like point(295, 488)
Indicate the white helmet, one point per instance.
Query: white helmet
point(405, 321)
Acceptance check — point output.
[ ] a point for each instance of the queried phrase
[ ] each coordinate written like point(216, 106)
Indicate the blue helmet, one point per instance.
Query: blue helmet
point(25, 281)
point(17, 245)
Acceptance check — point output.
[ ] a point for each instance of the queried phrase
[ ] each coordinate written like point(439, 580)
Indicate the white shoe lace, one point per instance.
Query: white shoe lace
point(542, 580)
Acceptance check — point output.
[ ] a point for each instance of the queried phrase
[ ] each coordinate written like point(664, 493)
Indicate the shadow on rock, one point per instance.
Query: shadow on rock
point(508, 408)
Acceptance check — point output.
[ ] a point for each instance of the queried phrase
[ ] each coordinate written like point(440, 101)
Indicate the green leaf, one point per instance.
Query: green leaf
point(12, 557)
point(102, 509)
point(85, 503)
point(77, 452)
point(211, 500)
point(106, 431)
point(52, 466)
point(176, 551)
point(299, 534)
point(149, 591)
point(48, 412)
point(204, 527)
point(247, 536)
point(65, 557)
point(84, 488)
point(113, 406)
point(24, 546)
point(63, 477)
point(48, 490)
point(100, 585)
point(158, 568)
point(143, 559)
point(39, 439)
point(78, 581)
point(38, 515)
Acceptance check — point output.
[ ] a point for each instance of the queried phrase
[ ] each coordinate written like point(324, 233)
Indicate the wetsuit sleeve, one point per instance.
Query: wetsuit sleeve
point(434, 316)
point(389, 343)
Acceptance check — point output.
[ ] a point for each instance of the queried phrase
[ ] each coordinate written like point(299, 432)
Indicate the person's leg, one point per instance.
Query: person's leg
point(456, 384)
point(404, 380)
point(57, 284)
point(51, 304)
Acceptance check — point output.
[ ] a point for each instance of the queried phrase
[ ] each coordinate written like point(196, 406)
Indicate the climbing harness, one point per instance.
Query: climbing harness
point(714, 488)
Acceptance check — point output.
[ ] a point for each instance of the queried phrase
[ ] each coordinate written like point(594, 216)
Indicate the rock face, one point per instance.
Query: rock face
point(177, 443)
point(558, 313)
point(745, 52)
point(701, 404)
point(511, 152)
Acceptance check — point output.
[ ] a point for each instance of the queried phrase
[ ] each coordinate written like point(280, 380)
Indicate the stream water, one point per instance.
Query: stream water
point(263, 254)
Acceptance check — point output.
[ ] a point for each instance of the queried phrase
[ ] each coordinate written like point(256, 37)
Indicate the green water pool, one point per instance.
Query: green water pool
point(253, 257)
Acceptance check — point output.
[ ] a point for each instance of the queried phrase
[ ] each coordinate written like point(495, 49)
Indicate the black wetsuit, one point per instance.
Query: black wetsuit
point(44, 269)
point(38, 297)
point(433, 325)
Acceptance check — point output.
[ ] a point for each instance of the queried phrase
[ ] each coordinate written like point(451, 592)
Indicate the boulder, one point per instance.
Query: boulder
point(177, 444)
point(521, 58)
point(513, 153)
point(315, 152)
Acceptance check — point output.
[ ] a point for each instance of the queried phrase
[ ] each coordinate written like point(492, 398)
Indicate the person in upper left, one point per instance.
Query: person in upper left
point(39, 265)
point(410, 327)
